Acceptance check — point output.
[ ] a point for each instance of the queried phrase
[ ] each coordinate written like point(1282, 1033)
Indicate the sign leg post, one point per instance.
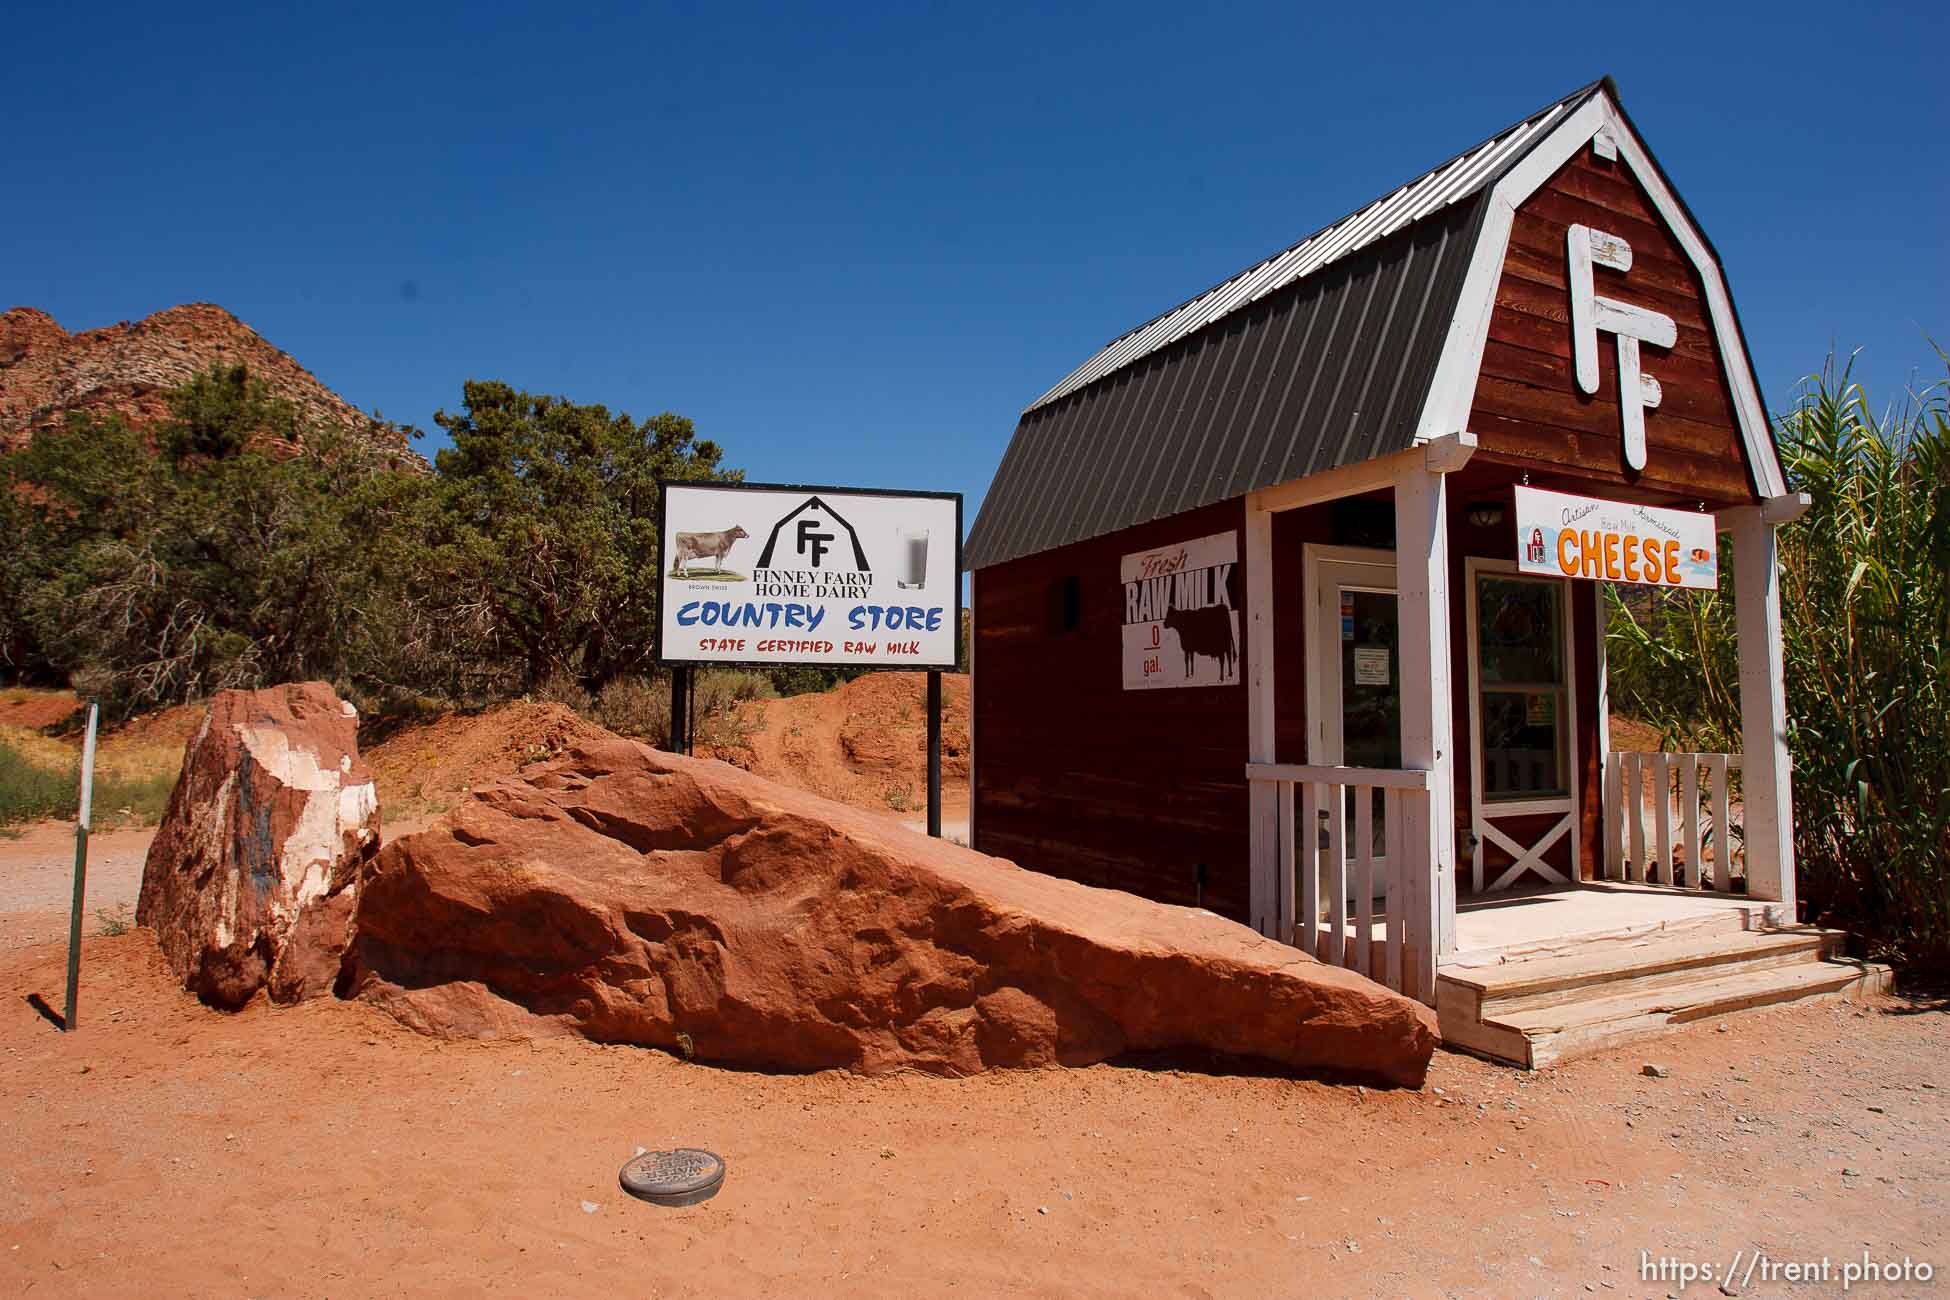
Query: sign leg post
point(934, 753)
point(680, 689)
point(68, 1019)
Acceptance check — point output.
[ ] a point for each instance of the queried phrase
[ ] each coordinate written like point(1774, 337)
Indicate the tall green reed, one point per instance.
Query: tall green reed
point(1865, 617)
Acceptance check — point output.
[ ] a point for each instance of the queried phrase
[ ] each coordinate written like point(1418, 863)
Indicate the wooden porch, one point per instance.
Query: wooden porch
point(1665, 897)
point(1547, 974)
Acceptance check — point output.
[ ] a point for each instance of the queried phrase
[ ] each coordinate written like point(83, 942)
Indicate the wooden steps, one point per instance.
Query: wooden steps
point(1533, 1011)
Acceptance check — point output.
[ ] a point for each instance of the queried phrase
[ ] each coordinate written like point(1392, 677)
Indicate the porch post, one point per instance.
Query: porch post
point(1428, 740)
point(1271, 900)
point(1765, 765)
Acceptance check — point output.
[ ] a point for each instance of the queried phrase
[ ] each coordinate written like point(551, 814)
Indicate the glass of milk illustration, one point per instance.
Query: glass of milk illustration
point(911, 561)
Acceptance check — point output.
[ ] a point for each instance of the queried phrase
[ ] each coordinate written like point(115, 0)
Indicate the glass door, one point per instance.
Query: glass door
point(1356, 700)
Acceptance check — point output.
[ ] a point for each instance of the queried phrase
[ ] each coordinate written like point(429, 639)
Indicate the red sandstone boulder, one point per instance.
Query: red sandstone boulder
point(252, 879)
point(634, 896)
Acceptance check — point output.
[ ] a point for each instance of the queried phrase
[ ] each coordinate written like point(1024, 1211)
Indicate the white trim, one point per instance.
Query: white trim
point(1602, 868)
point(1452, 392)
point(1733, 356)
point(1270, 896)
point(1381, 778)
point(1532, 858)
point(1482, 812)
point(1527, 807)
point(1783, 509)
point(1765, 762)
point(1448, 453)
point(1443, 455)
point(1333, 484)
point(1428, 728)
point(1315, 559)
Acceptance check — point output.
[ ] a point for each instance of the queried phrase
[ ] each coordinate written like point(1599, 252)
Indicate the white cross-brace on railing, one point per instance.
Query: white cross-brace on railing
point(1638, 392)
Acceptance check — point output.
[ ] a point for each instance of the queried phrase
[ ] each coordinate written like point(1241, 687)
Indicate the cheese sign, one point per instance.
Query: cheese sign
point(1566, 536)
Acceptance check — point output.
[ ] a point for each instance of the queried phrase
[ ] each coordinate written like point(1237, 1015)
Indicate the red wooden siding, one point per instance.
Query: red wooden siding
point(1528, 408)
point(1077, 777)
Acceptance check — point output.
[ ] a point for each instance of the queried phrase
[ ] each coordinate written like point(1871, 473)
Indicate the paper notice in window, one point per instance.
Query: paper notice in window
point(1371, 665)
point(1539, 710)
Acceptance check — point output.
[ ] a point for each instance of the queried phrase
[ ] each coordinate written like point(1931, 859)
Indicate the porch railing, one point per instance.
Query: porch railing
point(1686, 798)
point(1332, 867)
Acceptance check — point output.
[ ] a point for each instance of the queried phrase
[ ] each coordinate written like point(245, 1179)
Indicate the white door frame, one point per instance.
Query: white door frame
point(1332, 569)
point(1481, 814)
point(1377, 567)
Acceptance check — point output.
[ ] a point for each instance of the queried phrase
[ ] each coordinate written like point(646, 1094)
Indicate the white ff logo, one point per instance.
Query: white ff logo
point(1637, 391)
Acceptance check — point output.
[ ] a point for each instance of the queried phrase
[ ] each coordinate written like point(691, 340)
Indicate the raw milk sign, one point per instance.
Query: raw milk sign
point(1181, 627)
point(1583, 537)
point(756, 573)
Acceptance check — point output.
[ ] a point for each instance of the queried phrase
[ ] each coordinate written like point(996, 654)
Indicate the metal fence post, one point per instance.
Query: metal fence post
point(80, 867)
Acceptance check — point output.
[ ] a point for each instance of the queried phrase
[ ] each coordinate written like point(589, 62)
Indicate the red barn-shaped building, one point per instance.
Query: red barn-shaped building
point(1267, 618)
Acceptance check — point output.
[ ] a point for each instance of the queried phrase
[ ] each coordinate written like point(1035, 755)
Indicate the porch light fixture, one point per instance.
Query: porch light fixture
point(1485, 514)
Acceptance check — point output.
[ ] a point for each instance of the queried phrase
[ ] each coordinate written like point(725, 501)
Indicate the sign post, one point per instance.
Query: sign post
point(680, 691)
point(80, 868)
point(780, 575)
point(934, 753)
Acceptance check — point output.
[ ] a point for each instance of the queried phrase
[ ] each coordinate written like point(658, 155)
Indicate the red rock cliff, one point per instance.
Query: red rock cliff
point(46, 372)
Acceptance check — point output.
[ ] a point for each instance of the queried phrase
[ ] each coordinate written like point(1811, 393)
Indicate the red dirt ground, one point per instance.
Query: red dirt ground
point(35, 709)
point(323, 1150)
point(425, 767)
point(864, 743)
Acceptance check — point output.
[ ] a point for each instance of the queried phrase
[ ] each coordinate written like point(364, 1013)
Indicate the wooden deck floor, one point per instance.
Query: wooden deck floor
point(1488, 928)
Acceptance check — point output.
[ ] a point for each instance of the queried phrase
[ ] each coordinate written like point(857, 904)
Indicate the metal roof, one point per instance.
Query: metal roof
point(1318, 356)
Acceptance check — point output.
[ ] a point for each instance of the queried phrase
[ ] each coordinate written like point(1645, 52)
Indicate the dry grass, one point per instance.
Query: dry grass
point(40, 779)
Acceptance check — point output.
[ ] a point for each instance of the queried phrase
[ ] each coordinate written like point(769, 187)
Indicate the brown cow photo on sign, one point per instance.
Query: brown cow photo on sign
point(705, 546)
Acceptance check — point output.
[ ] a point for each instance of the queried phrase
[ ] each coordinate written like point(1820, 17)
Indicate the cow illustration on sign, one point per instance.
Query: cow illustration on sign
point(1638, 392)
point(1205, 632)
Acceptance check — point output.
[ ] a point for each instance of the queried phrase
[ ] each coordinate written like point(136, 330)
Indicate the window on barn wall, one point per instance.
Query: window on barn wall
point(1065, 605)
point(1524, 677)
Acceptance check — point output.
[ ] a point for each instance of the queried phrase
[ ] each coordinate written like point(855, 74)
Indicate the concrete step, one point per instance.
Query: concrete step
point(1542, 1035)
point(1655, 961)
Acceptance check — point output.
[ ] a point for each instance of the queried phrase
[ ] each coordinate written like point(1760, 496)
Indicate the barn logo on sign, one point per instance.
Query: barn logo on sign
point(813, 553)
point(1181, 624)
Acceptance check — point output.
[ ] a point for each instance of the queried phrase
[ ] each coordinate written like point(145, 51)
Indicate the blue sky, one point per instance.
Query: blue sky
point(853, 241)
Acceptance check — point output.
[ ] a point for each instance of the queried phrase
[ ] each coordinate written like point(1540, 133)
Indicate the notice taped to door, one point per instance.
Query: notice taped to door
point(1371, 665)
point(1181, 615)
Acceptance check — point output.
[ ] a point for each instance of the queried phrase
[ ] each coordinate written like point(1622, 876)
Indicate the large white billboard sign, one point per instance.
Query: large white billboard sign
point(764, 574)
point(1613, 541)
point(1181, 627)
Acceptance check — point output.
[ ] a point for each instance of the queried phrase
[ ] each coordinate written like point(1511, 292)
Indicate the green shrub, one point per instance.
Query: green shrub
point(36, 791)
point(139, 800)
point(717, 693)
point(29, 792)
point(636, 707)
point(562, 688)
point(1865, 618)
